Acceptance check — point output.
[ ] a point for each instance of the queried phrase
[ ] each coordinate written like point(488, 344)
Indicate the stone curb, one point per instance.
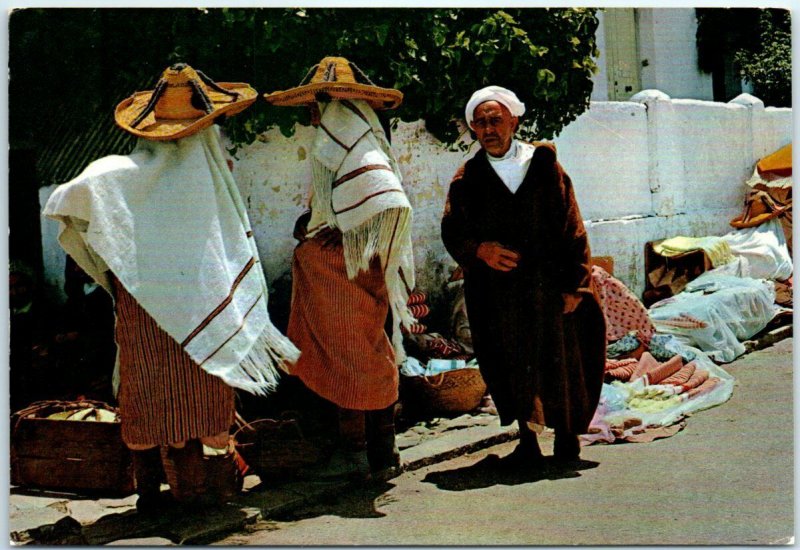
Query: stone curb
point(772, 337)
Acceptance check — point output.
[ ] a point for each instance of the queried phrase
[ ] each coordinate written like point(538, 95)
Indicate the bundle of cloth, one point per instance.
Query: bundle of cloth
point(770, 194)
point(717, 312)
point(652, 379)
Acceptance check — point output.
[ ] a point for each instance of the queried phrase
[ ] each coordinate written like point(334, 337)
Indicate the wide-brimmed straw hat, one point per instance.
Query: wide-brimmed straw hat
point(183, 102)
point(336, 78)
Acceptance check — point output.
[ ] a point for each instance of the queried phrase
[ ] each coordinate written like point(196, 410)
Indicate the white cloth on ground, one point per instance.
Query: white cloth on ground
point(169, 223)
point(763, 250)
point(731, 309)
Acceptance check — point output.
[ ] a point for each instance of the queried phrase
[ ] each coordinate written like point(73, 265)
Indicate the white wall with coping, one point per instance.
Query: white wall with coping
point(642, 170)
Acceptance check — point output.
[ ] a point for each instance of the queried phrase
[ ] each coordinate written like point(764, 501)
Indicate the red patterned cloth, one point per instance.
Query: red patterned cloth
point(622, 309)
point(621, 369)
point(419, 310)
point(416, 328)
point(684, 320)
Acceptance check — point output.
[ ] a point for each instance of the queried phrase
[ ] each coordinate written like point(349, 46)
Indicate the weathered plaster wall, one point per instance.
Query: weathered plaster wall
point(666, 38)
point(667, 54)
point(642, 170)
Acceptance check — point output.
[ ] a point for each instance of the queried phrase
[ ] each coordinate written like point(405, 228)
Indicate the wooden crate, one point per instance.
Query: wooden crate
point(77, 456)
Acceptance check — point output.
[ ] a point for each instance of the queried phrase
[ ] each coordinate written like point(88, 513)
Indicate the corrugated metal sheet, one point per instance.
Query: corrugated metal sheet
point(73, 144)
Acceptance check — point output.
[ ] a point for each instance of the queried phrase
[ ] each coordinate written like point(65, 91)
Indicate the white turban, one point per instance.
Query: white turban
point(501, 95)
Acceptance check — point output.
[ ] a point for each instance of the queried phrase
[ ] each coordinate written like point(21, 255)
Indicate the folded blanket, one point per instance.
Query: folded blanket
point(717, 249)
point(169, 223)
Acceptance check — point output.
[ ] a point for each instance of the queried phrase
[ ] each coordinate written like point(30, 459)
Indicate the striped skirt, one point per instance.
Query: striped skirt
point(164, 397)
point(338, 325)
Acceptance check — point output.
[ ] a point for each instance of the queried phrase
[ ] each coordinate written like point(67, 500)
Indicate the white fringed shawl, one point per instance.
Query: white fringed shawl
point(357, 189)
point(169, 223)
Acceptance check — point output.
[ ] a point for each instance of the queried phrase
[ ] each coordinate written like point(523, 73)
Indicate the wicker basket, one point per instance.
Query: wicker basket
point(455, 391)
point(276, 448)
point(72, 455)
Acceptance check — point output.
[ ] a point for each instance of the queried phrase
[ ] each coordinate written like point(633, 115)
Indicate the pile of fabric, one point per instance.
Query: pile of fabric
point(706, 295)
point(717, 312)
point(652, 379)
point(425, 345)
point(750, 270)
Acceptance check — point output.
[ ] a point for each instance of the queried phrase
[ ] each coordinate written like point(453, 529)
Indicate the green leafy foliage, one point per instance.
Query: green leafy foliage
point(86, 60)
point(769, 67)
point(756, 41)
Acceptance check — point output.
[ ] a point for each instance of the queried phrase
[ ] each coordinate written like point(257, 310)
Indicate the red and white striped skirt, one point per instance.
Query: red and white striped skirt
point(338, 325)
point(164, 397)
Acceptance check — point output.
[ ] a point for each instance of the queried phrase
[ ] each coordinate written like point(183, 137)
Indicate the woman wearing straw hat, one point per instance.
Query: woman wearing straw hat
point(353, 264)
point(165, 232)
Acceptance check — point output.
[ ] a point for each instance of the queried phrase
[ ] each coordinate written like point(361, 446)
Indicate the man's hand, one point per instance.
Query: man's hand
point(330, 237)
point(497, 256)
point(571, 301)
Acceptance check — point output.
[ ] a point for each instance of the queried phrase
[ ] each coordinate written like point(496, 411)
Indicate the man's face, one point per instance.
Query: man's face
point(495, 126)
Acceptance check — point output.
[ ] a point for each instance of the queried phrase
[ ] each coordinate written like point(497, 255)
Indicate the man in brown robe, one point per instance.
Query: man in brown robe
point(511, 221)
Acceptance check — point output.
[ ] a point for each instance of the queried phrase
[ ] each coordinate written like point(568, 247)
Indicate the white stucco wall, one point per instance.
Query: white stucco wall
point(667, 51)
point(667, 40)
point(642, 171)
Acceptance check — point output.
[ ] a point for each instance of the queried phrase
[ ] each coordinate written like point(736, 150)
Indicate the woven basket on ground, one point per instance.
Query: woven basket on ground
point(455, 391)
point(276, 448)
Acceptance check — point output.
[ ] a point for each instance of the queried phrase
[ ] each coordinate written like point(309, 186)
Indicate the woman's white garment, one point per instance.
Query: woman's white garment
point(169, 223)
point(357, 189)
point(513, 166)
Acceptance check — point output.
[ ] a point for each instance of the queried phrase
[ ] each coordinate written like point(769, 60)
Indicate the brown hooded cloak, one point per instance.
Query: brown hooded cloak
point(539, 363)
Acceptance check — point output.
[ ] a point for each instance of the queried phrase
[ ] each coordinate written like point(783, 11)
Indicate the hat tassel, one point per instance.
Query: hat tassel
point(214, 86)
point(157, 93)
point(199, 96)
point(361, 73)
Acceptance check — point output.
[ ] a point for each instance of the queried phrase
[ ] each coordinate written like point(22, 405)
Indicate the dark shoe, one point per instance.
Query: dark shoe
point(156, 505)
point(523, 457)
point(384, 457)
point(223, 478)
point(382, 451)
point(567, 447)
point(148, 473)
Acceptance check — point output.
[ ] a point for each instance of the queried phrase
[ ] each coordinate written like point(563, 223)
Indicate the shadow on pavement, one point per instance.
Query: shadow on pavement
point(360, 501)
point(493, 470)
point(176, 525)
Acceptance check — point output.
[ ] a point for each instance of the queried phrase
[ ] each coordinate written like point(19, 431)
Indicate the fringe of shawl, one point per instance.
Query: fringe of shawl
point(386, 235)
point(258, 373)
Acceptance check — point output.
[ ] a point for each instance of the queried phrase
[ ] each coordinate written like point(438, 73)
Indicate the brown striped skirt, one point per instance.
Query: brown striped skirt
point(164, 397)
point(338, 325)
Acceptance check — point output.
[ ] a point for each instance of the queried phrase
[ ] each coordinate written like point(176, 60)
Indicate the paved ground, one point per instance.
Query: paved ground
point(726, 479)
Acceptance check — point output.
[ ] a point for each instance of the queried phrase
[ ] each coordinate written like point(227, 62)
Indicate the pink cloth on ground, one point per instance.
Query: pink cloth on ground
point(622, 309)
